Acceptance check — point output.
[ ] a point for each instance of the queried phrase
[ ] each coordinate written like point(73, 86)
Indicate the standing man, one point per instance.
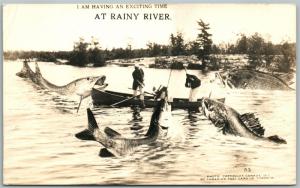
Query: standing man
point(192, 82)
point(138, 82)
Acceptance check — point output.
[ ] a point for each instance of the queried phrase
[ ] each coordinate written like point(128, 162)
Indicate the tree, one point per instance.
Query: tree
point(255, 50)
point(157, 49)
point(79, 56)
point(269, 53)
point(95, 54)
point(177, 44)
point(205, 42)
point(242, 45)
point(215, 49)
point(192, 48)
point(288, 59)
point(84, 53)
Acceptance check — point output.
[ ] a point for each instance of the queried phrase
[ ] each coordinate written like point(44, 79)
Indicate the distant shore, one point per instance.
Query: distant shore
point(220, 62)
point(223, 63)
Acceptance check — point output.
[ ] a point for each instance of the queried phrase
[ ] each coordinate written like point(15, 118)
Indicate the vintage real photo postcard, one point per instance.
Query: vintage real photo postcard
point(149, 94)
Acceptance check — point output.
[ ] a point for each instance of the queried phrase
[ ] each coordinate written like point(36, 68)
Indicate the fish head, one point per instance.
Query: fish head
point(161, 93)
point(213, 109)
point(92, 81)
point(239, 78)
point(159, 120)
point(86, 84)
point(232, 79)
point(207, 106)
point(165, 116)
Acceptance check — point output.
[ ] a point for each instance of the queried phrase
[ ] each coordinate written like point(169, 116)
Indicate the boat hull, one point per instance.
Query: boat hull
point(105, 97)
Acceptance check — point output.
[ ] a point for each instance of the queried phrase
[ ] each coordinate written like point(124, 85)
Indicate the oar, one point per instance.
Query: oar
point(124, 100)
point(141, 84)
point(144, 92)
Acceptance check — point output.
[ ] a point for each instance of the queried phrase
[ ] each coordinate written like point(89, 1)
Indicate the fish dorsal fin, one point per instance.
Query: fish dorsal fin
point(92, 123)
point(111, 133)
point(252, 123)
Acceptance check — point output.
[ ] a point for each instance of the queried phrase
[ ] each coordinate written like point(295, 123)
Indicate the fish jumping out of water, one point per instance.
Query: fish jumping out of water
point(114, 143)
point(231, 122)
point(252, 79)
point(81, 86)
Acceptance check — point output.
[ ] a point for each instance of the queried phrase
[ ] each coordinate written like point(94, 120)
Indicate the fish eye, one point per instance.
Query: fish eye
point(88, 78)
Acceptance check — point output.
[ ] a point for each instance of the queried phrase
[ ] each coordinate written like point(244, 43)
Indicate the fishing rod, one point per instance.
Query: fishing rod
point(185, 70)
point(79, 103)
point(169, 78)
point(124, 100)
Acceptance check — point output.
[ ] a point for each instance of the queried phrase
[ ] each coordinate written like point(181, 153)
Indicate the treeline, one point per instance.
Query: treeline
point(262, 53)
point(259, 51)
point(40, 55)
point(85, 53)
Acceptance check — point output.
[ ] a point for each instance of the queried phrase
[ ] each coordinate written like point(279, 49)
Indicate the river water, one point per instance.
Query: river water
point(40, 146)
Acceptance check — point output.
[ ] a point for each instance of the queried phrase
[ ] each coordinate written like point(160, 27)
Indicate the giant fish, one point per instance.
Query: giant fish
point(114, 143)
point(81, 86)
point(252, 79)
point(231, 122)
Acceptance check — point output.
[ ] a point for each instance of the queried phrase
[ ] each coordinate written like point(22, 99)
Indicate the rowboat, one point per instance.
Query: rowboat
point(107, 97)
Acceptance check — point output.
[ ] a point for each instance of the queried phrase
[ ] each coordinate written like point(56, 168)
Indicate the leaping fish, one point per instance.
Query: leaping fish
point(231, 122)
point(73, 87)
point(114, 143)
point(81, 87)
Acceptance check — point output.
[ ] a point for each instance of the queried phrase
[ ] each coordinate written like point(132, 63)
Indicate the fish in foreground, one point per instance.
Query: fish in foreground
point(231, 122)
point(81, 86)
point(252, 79)
point(114, 143)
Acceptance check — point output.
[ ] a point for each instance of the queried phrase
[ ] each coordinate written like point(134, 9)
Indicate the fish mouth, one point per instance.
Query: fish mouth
point(230, 84)
point(204, 104)
point(205, 107)
point(100, 81)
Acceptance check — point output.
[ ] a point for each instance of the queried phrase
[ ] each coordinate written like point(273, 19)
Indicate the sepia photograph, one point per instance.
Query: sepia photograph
point(149, 94)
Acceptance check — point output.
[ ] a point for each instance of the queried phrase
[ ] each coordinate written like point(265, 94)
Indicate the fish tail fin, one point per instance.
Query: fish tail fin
point(37, 69)
point(85, 135)
point(24, 70)
point(277, 139)
point(88, 134)
point(104, 152)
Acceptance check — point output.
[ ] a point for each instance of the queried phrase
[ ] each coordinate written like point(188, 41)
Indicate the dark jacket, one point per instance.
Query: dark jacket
point(192, 81)
point(138, 76)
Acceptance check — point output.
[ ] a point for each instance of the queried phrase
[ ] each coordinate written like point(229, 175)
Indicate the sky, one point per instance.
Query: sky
point(55, 27)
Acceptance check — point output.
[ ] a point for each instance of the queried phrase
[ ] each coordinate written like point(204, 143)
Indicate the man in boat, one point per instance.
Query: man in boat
point(138, 82)
point(194, 83)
